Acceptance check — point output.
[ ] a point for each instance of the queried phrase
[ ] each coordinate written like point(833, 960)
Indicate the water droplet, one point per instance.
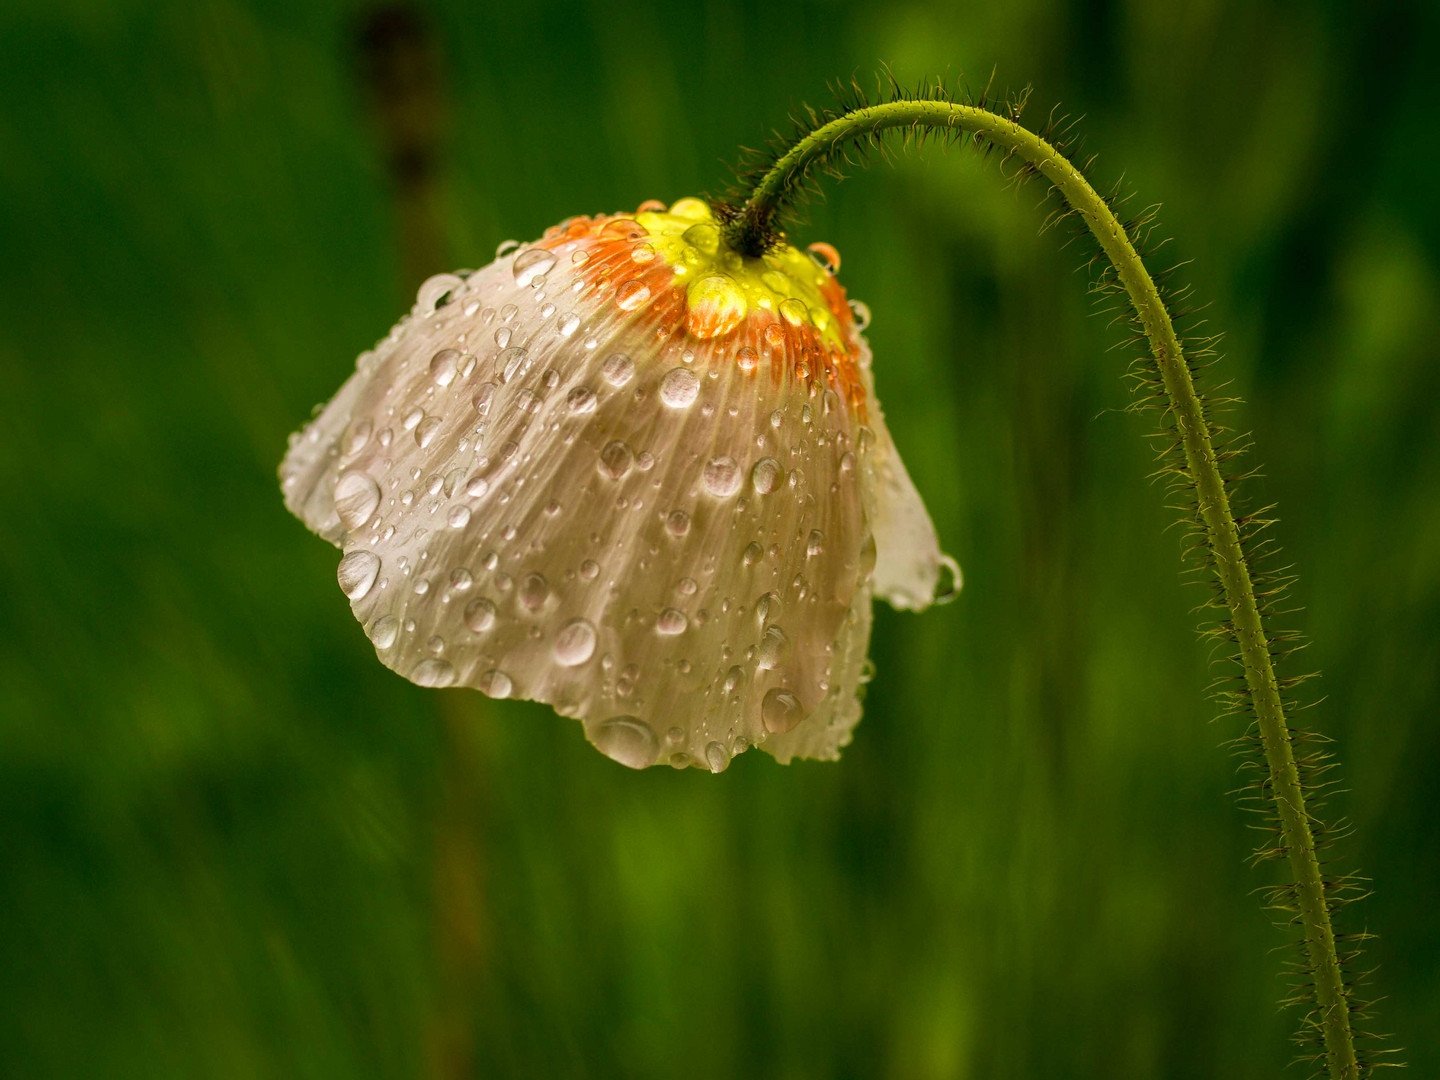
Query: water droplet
point(688, 586)
point(861, 312)
point(626, 739)
point(356, 497)
point(575, 643)
point(461, 579)
point(505, 247)
point(678, 523)
point(580, 400)
point(495, 683)
point(569, 323)
point(411, 418)
point(426, 430)
point(532, 264)
point(794, 311)
point(617, 369)
point(357, 573)
point(435, 292)
point(433, 672)
point(766, 475)
point(679, 388)
point(704, 237)
point(513, 363)
point(477, 486)
point(717, 757)
point(459, 517)
point(780, 710)
point(691, 209)
point(444, 365)
point(534, 590)
point(631, 295)
point(753, 553)
point(722, 477)
point(734, 679)
point(816, 543)
point(484, 394)
point(671, 621)
point(480, 615)
point(527, 401)
point(767, 608)
point(774, 649)
point(867, 557)
point(715, 306)
point(946, 591)
point(825, 256)
point(589, 569)
point(615, 460)
point(356, 436)
point(384, 630)
point(746, 359)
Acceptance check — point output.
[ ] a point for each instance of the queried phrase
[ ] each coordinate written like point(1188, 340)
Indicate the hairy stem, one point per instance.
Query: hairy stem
point(750, 230)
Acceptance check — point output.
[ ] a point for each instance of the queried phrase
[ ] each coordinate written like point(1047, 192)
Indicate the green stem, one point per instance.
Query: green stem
point(753, 226)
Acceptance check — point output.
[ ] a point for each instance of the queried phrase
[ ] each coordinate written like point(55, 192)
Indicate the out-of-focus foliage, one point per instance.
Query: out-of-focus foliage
point(232, 844)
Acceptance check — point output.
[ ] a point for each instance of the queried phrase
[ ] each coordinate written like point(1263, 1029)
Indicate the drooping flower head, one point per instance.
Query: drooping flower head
point(632, 474)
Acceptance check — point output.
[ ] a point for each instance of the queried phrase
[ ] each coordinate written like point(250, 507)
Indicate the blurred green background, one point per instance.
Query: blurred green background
point(232, 844)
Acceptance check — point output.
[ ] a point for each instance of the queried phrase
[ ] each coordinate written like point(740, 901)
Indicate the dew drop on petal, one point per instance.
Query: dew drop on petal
point(626, 739)
point(575, 643)
point(534, 591)
point(444, 366)
point(780, 710)
point(356, 436)
point(532, 264)
point(433, 672)
point(384, 630)
point(679, 388)
point(677, 523)
point(477, 486)
point(671, 621)
point(746, 359)
point(589, 569)
point(774, 649)
point(631, 295)
point(480, 615)
point(722, 477)
point(766, 475)
point(816, 543)
point(753, 553)
point(715, 306)
point(356, 497)
point(459, 517)
point(618, 369)
point(357, 573)
point(494, 683)
point(484, 394)
point(861, 311)
point(616, 460)
point(794, 311)
point(580, 400)
point(426, 430)
point(514, 362)
point(434, 292)
point(569, 323)
point(717, 757)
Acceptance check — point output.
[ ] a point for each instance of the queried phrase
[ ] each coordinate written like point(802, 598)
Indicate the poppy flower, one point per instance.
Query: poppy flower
point(627, 472)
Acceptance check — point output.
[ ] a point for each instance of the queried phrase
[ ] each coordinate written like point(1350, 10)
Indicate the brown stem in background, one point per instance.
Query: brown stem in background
point(399, 72)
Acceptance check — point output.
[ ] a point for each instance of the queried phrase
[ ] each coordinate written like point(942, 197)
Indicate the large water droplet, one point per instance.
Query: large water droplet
point(433, 672)
point(426, 430)
point(532, 264)
point(774, 649)
point(861, 312)
point(575, 643)
point(459, 517)
point(434, 292)
point(816, 543)
point(615, 460)
point(679, 388)
point(794, 311)
point(356, 497)
point(580, 400)
point(626, 739)
point(825, 256)
point(672, 621)
point(631, 295)
point(357, 573)
point(480, 615)
point(495, 683)
point(766, 475)
point(356, 436)
point(722, 477)
point(618, 369)
point(444, 365)
point(514, 363)
point(534, 590)
point(568, 324)
point(716, 306)
point(780, 710)
point(717, 757)
point(384, 630)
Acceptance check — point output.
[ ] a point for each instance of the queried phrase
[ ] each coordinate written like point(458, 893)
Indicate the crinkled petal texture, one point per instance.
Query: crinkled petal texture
point(615, 473)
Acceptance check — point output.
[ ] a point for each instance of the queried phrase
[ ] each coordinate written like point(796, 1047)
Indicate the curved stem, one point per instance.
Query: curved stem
point(754, 222)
